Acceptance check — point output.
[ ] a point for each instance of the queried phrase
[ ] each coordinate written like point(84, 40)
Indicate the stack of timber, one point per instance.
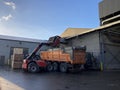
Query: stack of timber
point(17, 58)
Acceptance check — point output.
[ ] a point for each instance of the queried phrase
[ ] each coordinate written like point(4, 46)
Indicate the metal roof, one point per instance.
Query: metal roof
point(71, 32)
point(92, 30)
point(19, 39)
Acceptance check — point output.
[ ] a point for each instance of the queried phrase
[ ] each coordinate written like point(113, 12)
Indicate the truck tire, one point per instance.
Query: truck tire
point(49, 67)
point(63, 67)
point(33, 68)
point(55, 66)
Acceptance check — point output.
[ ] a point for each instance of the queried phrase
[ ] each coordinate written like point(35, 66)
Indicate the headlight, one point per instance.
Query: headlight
point(25, 61)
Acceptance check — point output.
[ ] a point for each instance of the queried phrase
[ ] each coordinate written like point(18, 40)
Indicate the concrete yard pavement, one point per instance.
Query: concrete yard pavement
point(84, 80)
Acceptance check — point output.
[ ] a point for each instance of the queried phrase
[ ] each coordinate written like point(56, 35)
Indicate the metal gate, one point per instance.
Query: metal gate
point(110, 47)
point(111, 56)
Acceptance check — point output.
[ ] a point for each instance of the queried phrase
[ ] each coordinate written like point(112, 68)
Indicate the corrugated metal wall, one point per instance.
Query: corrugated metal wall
point(102, 48)
point(6, 45)
point(91, 41)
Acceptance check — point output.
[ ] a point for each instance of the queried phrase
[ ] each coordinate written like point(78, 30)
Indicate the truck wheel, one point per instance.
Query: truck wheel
point(63, 67)
point(33, 68)
point(55, 66)
point(49, 67)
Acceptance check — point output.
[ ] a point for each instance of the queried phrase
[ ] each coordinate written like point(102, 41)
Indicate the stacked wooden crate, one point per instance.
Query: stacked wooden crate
point(17, 58)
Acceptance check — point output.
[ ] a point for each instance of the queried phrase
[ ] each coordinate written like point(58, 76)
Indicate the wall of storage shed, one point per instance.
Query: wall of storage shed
point(91, 41)
point(6, 45)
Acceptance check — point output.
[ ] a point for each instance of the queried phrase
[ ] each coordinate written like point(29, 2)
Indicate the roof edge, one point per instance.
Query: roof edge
point(14, 38)
point(97, 29)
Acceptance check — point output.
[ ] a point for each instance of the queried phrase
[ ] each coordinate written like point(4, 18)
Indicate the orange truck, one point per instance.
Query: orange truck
point(64, 59)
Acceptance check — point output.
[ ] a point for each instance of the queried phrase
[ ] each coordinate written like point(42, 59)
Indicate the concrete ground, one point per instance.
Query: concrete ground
point(84, 80)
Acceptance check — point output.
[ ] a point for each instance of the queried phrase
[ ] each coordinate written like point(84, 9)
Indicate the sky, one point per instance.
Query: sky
point(41, 19)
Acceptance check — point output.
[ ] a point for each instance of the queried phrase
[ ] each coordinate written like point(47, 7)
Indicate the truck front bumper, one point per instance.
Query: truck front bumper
point(24, 65)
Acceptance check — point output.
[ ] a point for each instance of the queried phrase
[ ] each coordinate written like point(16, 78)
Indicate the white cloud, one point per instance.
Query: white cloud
point(6, 18)
point(10, 4)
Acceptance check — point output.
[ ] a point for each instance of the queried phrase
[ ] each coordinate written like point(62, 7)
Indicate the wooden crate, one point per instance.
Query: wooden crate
point(17, 57)
point(79, 57)
point(16, 65)
point(18, 51)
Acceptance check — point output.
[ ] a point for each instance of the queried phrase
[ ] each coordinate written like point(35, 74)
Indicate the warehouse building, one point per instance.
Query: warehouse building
point(104, 41)
point(18, 45)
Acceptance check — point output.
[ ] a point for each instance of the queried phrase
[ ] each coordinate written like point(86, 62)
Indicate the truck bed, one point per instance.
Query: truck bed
point(68, 55)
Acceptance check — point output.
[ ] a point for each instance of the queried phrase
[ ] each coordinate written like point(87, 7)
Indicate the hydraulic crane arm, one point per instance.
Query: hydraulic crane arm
point(53, 41)
point(36, 50)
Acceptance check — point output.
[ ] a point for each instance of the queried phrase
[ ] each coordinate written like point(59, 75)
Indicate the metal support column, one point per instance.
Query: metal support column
point(102, 57)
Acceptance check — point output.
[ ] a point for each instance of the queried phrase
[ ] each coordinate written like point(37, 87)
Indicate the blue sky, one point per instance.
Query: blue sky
point(41, 19)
